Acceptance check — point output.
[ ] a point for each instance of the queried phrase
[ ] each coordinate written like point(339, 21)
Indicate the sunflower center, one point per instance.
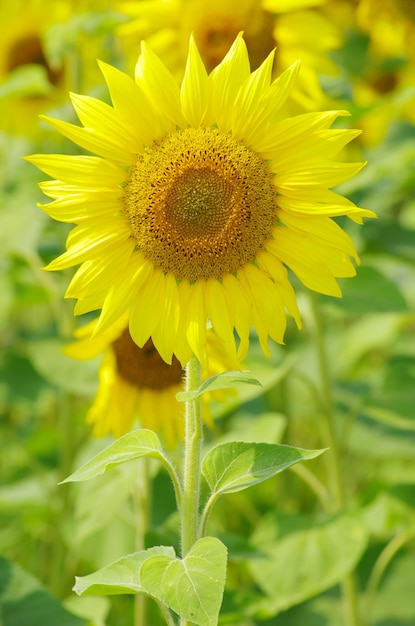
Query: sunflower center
point(200, 204)
point(192, 202)
point(143, 367)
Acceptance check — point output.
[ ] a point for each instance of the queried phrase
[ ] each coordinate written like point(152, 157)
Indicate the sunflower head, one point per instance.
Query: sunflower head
point(298, 30)
point(136, 387)
point(198, 201)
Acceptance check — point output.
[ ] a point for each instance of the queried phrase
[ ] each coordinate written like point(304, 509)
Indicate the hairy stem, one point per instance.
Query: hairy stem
point(192, 460)
point(192, 463)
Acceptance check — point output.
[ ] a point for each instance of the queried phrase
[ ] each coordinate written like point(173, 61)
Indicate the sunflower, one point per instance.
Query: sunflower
point(28, 80)
point(383, 82)
point(390, 26)
point(135, 383)
point(199, 200)
point(41, 45)
point(298, 29)
point(387, 89)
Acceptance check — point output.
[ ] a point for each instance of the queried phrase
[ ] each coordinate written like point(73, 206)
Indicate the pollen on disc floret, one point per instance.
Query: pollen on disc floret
point(200, 204)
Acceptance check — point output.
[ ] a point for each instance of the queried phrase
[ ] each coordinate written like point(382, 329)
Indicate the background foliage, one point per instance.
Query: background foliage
point(291, 540)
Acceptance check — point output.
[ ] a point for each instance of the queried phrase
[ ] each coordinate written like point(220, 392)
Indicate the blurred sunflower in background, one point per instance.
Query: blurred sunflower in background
point(297, 29)
point(387, 88)
point(29, 79)
point(377, 62)
point(199, 200)
point(41, 46)
point(136, 384)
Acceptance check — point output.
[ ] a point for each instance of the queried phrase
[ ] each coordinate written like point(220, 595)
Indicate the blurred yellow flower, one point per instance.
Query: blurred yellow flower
point(390, 25)
point(296, 28)
point(381, 36)
point(199, 199)
point(135, 383)
point(387, 89)
point(27, 78)
point(45, 47)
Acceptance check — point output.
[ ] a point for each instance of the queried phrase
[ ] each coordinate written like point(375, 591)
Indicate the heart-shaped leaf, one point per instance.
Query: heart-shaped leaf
point(121, 576)
point(236, 465)
point(303, 563)
point(192, 587)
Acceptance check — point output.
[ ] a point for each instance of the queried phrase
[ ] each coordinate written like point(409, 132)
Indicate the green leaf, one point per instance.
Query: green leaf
point(372, 292)
point(234, 466)
point(304, 562)
point(47, 358)
point(121, 576)
point(24, 601)
point(192, 587)
point(28, 80)
point(393, 402)
point(394, 601)
point(226, 380)
point(129, 447)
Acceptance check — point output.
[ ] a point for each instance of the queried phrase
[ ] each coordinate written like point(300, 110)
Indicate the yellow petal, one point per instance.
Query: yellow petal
point(249, 95)
point(79, 170)
point(194, 94)
point(148, 308)
point(226, 80)
point(164, 335)
point(132, 105)
point(120, 295)
point(160, 88)
point(218, 310)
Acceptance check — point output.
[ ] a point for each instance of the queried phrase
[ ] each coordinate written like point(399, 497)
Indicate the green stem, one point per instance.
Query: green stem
point(206, 514)
point(192, 464)
point(382, 562)
point(333, 456)
point(192, 460)
point(142, 505)
point(168, 618)
point(313, 483)
point(175, 480)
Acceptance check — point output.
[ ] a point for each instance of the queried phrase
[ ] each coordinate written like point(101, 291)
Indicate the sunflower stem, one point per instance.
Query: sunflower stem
point(348, 585)
point(142, 503)
point(192, 460)
point(193, 438)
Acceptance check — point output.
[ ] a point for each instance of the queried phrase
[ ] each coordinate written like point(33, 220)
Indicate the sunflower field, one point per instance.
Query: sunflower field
point(207, 327)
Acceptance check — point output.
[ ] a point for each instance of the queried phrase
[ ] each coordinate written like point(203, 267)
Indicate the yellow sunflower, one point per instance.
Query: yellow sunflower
point(135, 383)
point(390, 25)
point(297, 28)
point(45, 46)
point(387, 89)
point(199, 200)
point(23, 94)
point(383, 86)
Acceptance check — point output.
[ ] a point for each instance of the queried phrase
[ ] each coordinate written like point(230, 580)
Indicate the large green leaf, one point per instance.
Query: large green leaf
point(372, 292)
point(305, 562)
point(226, 380)
point(393, 402)
point(79, 377)
point(191, 587)
point(121, 576)
point(234, 466)
point(129, 447)
point(24, 602)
